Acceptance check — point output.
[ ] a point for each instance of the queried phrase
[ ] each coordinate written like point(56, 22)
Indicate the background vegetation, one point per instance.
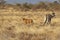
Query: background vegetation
point(29, 6)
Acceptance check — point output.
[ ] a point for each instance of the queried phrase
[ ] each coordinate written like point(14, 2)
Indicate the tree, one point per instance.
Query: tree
point(55, 2)
point(40, 5)
point(59, 0)
point(25, 5)
point(18, 4)
point(2, 2)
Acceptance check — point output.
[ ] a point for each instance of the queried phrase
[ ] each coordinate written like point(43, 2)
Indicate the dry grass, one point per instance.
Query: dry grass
point(12, 26)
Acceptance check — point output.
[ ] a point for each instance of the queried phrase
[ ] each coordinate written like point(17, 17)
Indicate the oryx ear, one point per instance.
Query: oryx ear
point(53, 14)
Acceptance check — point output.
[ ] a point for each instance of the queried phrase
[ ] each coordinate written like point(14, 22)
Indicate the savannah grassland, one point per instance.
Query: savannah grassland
point(12, 27)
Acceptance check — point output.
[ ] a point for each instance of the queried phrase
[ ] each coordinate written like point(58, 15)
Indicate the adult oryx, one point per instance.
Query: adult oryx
point(48, 18)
